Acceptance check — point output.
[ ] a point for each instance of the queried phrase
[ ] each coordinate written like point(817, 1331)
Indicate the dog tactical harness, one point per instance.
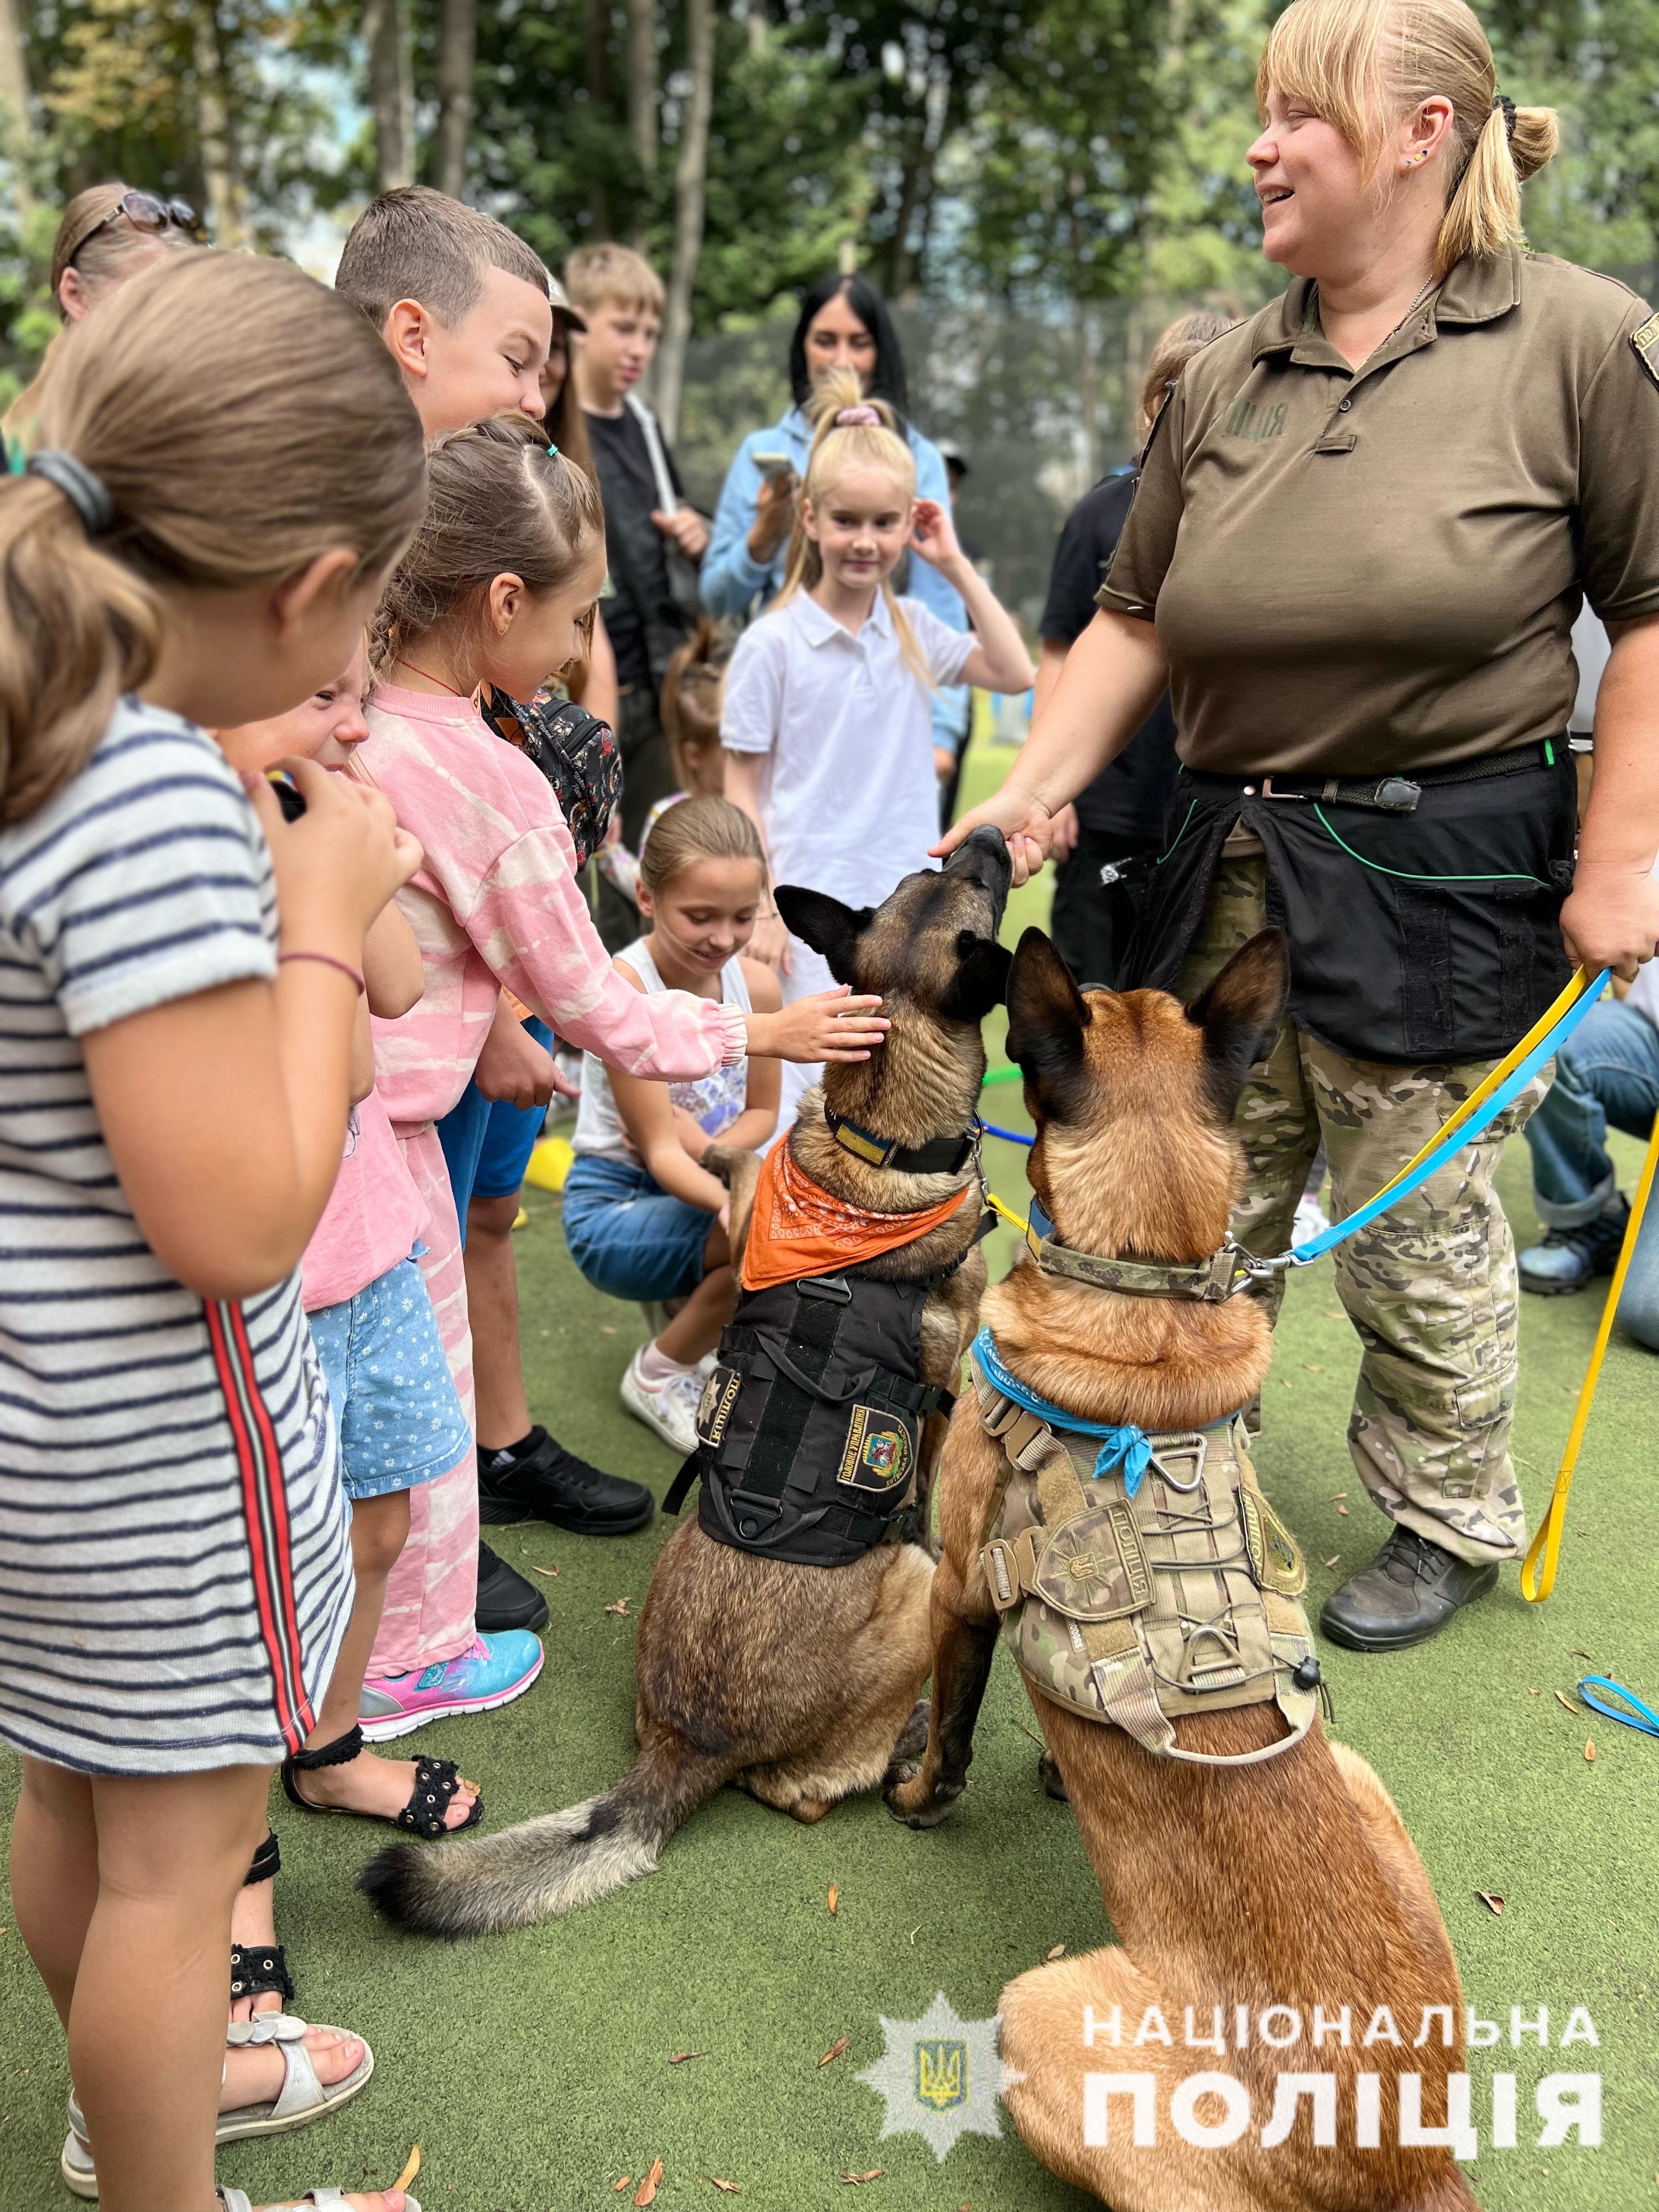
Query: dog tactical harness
point(1140, 1606)
point(810, 1427)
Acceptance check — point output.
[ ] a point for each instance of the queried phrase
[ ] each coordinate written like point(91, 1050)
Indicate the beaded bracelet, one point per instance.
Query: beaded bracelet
point(328, 960)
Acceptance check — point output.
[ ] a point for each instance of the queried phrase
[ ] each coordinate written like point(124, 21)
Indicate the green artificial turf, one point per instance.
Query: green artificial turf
point(535, 2069)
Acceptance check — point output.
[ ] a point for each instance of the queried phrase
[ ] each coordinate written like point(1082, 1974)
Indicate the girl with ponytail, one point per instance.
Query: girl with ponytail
point(827, 721)
point(1365, 523)
point(183, 968)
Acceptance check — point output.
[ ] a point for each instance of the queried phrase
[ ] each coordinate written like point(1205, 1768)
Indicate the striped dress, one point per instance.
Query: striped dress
point(174, 1571)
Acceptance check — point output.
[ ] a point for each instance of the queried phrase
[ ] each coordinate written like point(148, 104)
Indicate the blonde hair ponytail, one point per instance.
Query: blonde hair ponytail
point(837, 446)
point(1363, 64)
point(310, 443)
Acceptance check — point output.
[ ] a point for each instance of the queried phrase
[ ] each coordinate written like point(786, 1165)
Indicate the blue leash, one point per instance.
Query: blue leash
point(1126, 1445)
point(1641, 1717)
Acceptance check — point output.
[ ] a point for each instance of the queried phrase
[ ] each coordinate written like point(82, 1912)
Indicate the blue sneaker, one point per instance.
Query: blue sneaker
point(492, 1671)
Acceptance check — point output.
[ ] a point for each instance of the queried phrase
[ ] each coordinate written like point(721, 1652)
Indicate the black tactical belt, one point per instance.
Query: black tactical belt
point(1382, 795)
point(941, 1156)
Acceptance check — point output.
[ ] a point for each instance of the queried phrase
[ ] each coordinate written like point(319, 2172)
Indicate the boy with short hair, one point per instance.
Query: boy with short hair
point(466, 310)
point(654, 541)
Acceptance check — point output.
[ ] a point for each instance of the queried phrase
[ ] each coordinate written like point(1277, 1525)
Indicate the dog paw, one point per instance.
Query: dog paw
point(1052, 1779)
point(912, 1742)
point(917, 1804)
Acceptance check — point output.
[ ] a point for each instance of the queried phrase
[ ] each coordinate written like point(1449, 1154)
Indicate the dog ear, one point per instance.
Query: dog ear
point(826, 924)
point(1239, 1014)
point(980, 981)
point(1047, 1016)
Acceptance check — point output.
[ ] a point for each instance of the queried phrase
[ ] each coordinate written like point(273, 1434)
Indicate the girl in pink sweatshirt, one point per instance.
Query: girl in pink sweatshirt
point(499, 588)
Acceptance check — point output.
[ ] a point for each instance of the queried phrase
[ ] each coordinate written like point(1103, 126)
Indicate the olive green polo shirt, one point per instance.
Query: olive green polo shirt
point(1355, 570)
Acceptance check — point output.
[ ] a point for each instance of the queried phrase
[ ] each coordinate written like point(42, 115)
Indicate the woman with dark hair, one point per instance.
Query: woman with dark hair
point(843, 324)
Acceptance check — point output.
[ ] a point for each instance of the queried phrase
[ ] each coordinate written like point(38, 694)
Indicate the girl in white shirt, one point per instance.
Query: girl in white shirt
point(827, 723)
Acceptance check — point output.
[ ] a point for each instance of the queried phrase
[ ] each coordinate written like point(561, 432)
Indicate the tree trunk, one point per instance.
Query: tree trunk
point(598, 33)
point(1083, 332)
point(458, 49)
point(392, 93)
point(221, 170)
point(691, 181)
point(19, 139)
point(643, 96)
point(759, 23)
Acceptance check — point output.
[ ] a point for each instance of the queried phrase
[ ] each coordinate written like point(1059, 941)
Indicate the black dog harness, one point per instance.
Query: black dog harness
point(810, 1427)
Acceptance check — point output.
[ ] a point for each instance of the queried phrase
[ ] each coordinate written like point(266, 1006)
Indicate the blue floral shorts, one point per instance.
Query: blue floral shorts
point(398, 1419)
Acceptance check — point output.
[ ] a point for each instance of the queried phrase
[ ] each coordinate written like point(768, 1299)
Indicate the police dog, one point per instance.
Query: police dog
point(799, 1683)
point(1290, 1883)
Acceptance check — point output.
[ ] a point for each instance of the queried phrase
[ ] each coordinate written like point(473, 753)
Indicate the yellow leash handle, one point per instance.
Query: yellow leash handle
point(1538, 1573)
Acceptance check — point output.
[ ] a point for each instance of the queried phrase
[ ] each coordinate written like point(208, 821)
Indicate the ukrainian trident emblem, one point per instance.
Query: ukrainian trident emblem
point(942, 2075)
point(939, 2076)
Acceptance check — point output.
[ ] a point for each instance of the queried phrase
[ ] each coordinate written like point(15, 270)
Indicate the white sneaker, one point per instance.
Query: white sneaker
point(1311, 1220)
point(670, 1407)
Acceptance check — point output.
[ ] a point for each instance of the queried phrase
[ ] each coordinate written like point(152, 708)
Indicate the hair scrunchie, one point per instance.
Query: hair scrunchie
point(85, 493)
point(1508, 107)
point(859, 418)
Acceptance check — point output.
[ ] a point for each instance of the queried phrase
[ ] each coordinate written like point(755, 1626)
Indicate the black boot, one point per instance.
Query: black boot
point(538, 1480)
point(1408, 1593)
point(505, 1599)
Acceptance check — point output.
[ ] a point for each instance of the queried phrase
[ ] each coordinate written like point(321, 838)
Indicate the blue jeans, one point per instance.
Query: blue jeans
point(1607, 1074)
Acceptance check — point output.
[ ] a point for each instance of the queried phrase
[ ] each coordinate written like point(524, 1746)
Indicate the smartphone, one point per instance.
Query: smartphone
point(289, 797)
point(774, 464)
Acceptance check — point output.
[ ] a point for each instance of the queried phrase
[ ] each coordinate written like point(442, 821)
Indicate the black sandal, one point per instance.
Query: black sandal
point(436, 1781)
point(253, 1972)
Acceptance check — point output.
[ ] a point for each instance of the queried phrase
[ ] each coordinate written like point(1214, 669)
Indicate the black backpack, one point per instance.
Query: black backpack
point(574, 751)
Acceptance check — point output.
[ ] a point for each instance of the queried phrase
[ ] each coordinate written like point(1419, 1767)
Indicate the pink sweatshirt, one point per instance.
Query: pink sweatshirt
point(497, 902)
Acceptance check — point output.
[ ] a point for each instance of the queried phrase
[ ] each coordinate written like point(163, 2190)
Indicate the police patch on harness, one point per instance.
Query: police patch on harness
point(720, 1395)
point(878, 1454)
point(1646, 343)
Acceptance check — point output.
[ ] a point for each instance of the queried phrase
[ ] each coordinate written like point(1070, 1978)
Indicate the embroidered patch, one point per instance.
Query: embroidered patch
point(1094, 1567)
point(878, 1454)
point(1276, 1560)
point(720, 1395)
point(1646, 343)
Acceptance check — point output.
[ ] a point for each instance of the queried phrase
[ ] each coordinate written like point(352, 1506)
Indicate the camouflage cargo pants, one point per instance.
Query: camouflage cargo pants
point(1430, 1285)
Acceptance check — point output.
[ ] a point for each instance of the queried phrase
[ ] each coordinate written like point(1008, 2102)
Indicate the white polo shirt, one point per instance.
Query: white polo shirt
point(849, 798)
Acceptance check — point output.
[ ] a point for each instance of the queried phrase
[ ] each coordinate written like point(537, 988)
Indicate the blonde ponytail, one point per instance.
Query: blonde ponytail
point(836, 447)
point(309, 443)
point(1363, 64)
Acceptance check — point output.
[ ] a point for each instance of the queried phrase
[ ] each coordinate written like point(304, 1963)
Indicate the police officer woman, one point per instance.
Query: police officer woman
point(1365, 523)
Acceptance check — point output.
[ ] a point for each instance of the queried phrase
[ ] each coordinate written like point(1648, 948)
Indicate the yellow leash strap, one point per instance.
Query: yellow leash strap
point(1538, 1574)
point(1013, 1219)
point(1500, 1075)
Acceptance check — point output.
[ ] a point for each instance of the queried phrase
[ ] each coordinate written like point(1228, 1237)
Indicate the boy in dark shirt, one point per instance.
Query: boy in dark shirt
point(654, 541)
point(1119, 817)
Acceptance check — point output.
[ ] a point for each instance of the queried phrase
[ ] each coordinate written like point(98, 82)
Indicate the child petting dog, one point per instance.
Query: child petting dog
point(643, 1217)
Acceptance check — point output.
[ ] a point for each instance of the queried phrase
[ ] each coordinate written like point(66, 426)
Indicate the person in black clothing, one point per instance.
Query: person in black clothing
point(653, 540)
point(1119, 817)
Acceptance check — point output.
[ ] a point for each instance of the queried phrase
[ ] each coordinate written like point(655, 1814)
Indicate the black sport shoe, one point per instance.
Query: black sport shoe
point(542, 1481)
point(1408, 1593)
point(1569, 1258)
point(505, 1599)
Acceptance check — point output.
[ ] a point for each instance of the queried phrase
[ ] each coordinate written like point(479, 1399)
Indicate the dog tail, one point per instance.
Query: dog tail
point(480, 1884)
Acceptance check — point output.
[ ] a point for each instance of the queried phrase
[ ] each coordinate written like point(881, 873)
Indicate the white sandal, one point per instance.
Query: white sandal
point(301, 2099)
point(325, 2199)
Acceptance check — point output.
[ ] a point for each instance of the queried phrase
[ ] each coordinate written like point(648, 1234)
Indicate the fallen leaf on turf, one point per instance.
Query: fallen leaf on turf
point(1330, 1315)
point(1283, 1385)
point(626, 2182)
point(1334, 1557)
point(1534, 1693)
point(1493, 1903)
point(835, 2049)
point(727, 2188)
point(1313, 1367)
point(1059, 1952)
point(412, 2167)
point(854, 2179)
point(1568, 1703)
point(621, 1606)
point(680, 2057)
point(1343, 1510)
point(834, 1894)
point(543, 1571)
point(1577, 1654)
point(1590, 1749)
point(647, 2191)
point(605, 1329)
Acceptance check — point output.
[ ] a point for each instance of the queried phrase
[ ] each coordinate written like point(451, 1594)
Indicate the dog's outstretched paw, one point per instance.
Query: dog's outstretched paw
point(918, 1804)
point(719, 1160)
point(1052, 1779)
point(906, 1753)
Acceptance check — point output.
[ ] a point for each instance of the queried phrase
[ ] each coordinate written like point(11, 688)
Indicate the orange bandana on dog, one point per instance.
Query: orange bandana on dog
point(796, 1228)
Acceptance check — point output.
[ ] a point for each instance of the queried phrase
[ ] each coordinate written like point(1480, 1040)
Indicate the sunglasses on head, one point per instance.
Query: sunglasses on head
point(144, 211)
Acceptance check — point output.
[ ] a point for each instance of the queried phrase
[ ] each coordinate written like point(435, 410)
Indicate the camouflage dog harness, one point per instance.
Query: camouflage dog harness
point(1145, 1579)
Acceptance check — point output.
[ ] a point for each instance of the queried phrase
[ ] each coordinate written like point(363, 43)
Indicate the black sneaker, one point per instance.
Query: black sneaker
point(505, 1599)
point(1569, 1258)
point(540, 1480)
point(1408, 1593)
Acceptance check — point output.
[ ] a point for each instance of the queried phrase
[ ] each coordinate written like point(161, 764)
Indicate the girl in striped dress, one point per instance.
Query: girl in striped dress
point(179, 971)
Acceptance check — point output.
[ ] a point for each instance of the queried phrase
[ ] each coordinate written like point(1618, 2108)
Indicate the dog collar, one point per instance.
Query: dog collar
point(940, 1155)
